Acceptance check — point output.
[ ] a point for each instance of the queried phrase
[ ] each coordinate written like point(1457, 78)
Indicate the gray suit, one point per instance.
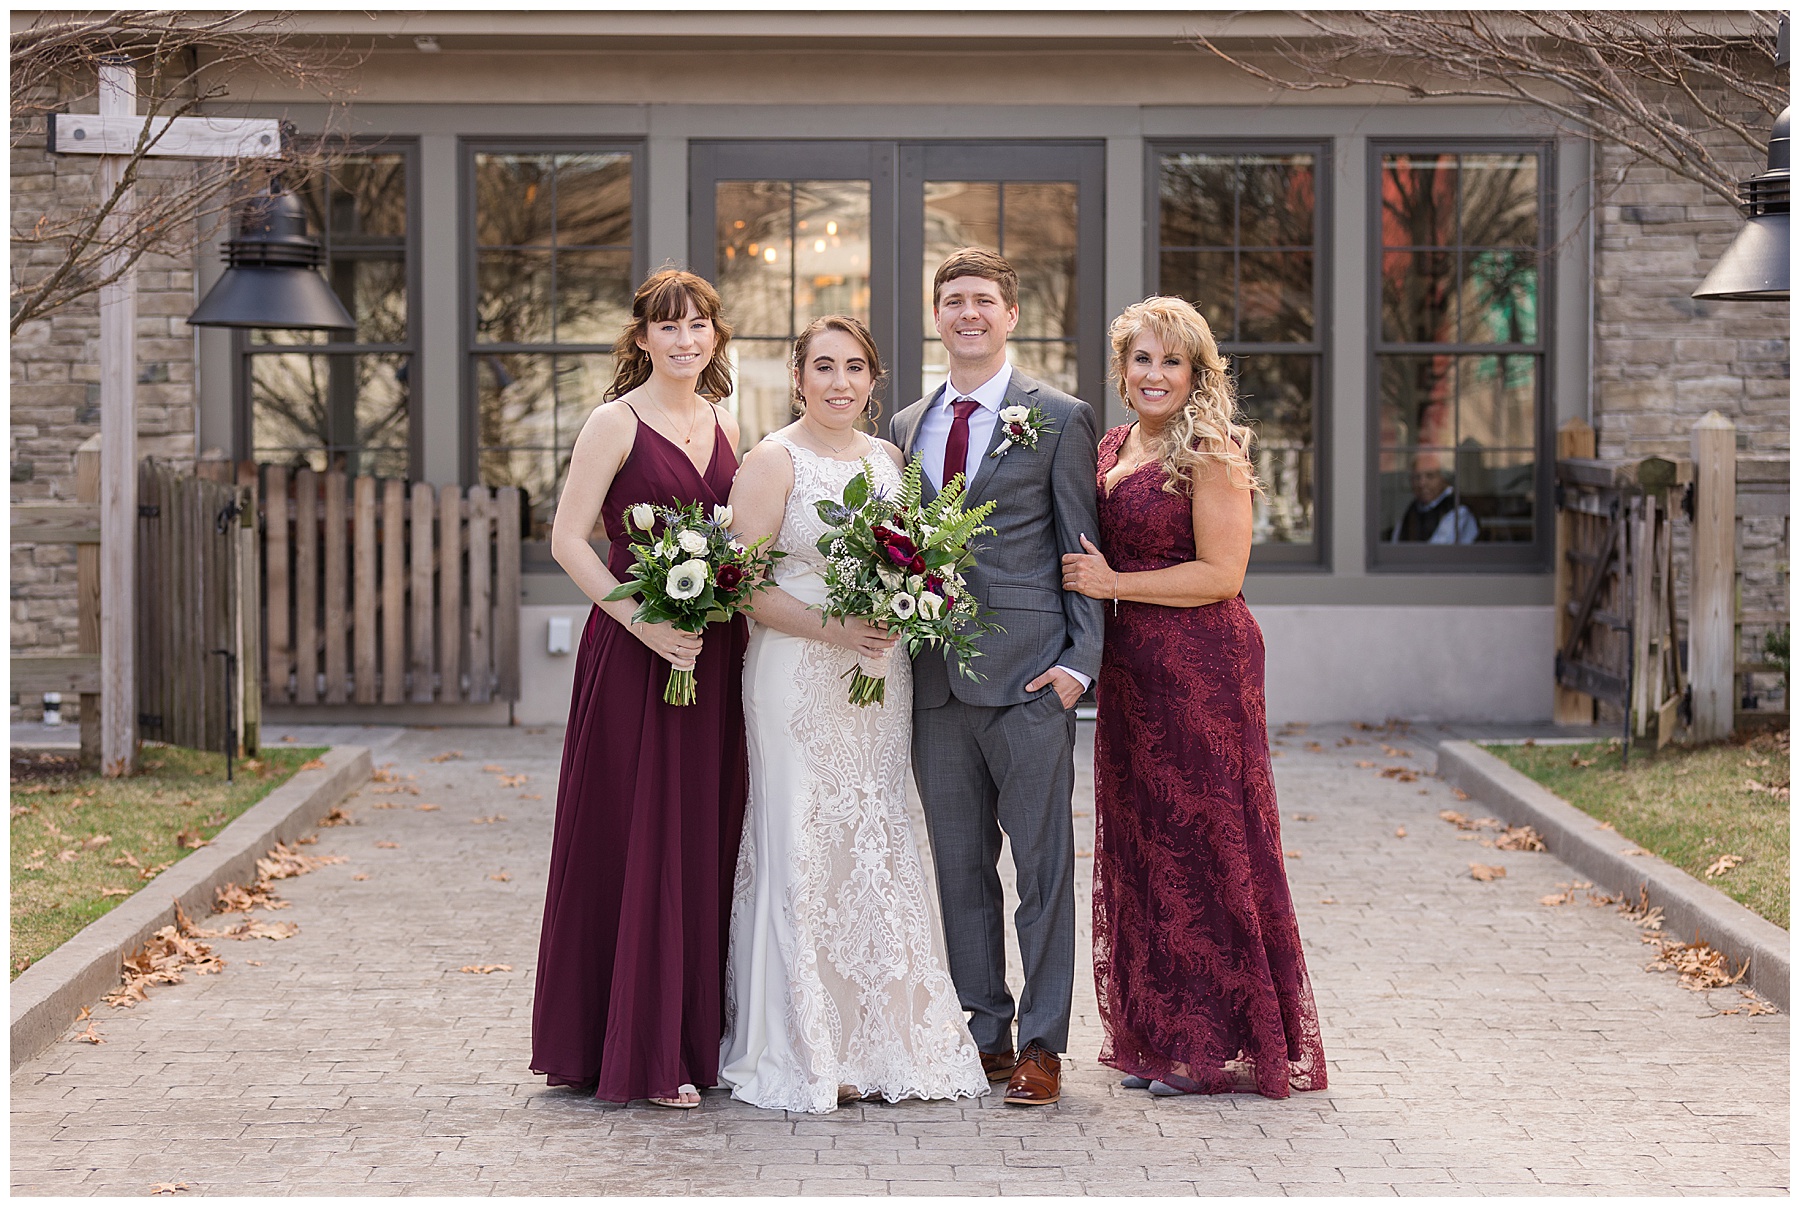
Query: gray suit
point(987, 755)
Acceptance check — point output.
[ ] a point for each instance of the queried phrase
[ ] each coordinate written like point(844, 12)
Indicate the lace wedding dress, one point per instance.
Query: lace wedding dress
point(836, 974)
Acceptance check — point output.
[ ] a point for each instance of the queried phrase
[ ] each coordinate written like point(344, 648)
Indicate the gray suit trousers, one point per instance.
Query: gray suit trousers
point(980, 771)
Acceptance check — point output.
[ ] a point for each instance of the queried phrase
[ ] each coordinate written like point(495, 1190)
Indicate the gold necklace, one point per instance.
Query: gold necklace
point(836, 450)
point(692, 427)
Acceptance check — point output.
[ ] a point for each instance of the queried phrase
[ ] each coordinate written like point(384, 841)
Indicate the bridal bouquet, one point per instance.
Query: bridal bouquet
point(689, 573)
point(899, 564)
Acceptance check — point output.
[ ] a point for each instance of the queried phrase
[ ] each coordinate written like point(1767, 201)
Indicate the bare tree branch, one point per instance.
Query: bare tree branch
point(1667, 87)
point(185, 61)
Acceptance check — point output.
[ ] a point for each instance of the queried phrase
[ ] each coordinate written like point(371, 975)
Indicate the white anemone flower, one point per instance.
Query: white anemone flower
point(915, 583)
point(903, 606)
point(686, 579)
point(691, 541)
point(643, 516)
point(931, 605)
point(1014, 414)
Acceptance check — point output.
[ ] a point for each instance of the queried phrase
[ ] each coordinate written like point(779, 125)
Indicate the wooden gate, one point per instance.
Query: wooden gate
point(383, 593)
point(1619, 590)
point(197, 608)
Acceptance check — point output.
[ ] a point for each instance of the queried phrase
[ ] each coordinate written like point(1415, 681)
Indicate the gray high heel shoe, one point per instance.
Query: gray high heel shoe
point(1135, 1083)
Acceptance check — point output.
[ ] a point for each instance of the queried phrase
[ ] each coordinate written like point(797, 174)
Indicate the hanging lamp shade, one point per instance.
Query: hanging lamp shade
point(1755, 267)
point(273, 278)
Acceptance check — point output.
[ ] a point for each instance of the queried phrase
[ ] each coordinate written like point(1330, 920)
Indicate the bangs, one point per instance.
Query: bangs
point(670, 298)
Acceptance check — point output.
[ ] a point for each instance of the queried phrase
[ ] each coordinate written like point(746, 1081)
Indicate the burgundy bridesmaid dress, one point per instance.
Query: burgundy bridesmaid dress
point(1197, 958)
point(649, 811)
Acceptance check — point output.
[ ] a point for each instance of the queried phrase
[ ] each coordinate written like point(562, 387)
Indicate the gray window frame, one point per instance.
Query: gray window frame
point(242, 350)
point(897, 171)
point(1535, 556)
point(535, 555)
point(1315, 556)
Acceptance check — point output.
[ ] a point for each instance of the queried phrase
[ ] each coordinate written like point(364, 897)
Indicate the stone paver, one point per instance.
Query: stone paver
point(1480, 1043)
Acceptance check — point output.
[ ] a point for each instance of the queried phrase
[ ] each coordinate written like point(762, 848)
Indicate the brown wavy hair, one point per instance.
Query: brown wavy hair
point(1209, 427)
point(665, 295)
point(855, 329)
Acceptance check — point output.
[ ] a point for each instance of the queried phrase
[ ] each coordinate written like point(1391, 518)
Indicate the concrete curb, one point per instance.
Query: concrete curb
point(1689, 907)
point(49, 995)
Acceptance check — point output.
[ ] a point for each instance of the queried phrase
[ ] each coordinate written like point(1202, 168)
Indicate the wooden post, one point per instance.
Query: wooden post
point(118, 456)
point(1711, 603)
point(1575, 438)
point(87, 593)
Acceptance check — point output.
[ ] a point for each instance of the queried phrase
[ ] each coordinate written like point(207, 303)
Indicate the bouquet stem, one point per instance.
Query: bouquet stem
point(680, 690)
point(867, 689)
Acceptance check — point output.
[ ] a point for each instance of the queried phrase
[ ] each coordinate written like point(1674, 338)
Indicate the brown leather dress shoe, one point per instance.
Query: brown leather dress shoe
point(1036, 1079)
point(998, 1065)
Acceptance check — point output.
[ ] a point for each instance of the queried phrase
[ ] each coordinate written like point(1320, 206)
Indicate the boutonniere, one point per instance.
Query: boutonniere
point(1023, 426)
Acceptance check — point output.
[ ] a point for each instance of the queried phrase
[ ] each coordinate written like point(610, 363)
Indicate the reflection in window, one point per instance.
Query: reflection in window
point(1238, 237)
point(789, 251)
point(552, 290)
point(341, 398)
point(1032, 224)
point(1460, 348)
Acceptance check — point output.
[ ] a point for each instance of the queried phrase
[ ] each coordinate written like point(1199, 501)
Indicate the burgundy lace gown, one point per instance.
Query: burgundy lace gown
point(649, 810)
point(1197, 958)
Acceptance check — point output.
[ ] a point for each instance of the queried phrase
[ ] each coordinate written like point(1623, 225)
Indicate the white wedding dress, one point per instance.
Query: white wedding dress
point(836, 974)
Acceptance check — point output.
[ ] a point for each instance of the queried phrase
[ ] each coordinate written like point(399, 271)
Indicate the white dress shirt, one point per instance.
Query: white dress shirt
point(934, 434)
point(934, 428)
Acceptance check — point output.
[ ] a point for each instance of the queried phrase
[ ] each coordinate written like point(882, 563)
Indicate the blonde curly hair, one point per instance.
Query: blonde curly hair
point(1209, 427)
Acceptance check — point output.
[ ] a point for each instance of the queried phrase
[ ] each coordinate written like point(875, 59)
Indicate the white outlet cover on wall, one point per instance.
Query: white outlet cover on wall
point(560, 631)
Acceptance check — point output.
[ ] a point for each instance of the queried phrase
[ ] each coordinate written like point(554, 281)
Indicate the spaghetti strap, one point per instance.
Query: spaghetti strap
point(633, 411)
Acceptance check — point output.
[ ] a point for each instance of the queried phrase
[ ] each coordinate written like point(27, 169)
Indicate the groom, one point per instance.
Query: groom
point(997, 753)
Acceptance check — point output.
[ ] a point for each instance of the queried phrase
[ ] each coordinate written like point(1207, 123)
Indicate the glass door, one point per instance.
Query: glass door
point(790, 231)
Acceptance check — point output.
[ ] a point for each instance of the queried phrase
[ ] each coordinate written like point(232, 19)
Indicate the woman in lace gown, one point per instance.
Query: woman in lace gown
point(836, 983)
point(1201, 981)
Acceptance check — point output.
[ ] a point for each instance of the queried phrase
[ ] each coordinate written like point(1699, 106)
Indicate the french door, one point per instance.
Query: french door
point(794, 230)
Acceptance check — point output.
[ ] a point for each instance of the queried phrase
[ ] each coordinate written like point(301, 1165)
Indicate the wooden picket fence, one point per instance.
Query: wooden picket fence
point(380, 592)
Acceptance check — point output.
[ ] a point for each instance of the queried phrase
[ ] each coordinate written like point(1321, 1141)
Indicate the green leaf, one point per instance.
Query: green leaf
point(624, 590)
point(856, 492)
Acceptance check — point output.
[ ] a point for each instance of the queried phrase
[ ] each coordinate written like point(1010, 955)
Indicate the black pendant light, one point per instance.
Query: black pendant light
point(273, 278)
point(1755, 267)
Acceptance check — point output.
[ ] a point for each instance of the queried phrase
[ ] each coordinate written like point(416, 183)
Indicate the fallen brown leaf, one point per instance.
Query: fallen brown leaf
point(487, 821)
point(1699, 965)
point(514, 781)
point(313, 765)
point(1723, 864)
point(360, 876)
point(531, 796)
point(1315, 748)
point(1306, 817)
point(388, 846)
point(191, 840)
point(484, 969)
point(168, 1187)
point(500, 876)
point(493, 767)
point(1327, 900)
point(1404, 775)
point(1365, 763)
point(1633, 851)
point(66, 856)
point(1520, 838)
point(35, 865)
point(172, 952)
point(1460, 794)
point(337, 817)
point(283, 861)
point(117, 892)
point(96, 842)
point(1290, 854)
point(1484, 872)
point(1400, 832)
point(385, 789)
point(445, 757)
point(427, 808)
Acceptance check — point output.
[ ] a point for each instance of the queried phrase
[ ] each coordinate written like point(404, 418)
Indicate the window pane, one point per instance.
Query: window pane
point(1496, 401)
point(1418, 296)
point(1207, 279)
point(1418, 200)
point(1052, 364)
point(1276, 293)
point(1499, 297)
point(320, 407)
point(512, 297)
point(831, 250)
point(1499, 200)
point(581, 383)
point(368, 198)
point(513, 196)
point(593, 200)
point(593, 296)
point(537, 472)
point(958, 213)
point(515, 401)
point(1198, 200)
point(754, 256)
point(1419, 501)
point(1038, 237)
point(375, 292)
point(1276, 394)
point(1418, 401)
point(1276, 207)
point(763, 399)
point(1500, 488)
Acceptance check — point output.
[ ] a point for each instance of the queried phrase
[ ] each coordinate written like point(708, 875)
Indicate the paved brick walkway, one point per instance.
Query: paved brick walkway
point(1479, 1042)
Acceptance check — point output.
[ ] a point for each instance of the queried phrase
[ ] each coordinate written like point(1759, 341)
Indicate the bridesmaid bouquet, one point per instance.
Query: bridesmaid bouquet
point(690, 573)
point(898, 563)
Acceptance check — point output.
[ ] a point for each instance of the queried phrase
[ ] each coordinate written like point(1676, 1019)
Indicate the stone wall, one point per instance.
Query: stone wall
point(55, 375)
point(1662, 360)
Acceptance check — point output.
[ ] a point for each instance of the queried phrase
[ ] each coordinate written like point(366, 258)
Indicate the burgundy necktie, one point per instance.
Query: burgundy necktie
point(956, 448)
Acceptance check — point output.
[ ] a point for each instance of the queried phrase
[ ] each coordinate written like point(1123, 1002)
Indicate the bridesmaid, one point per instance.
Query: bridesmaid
point(1197, 958)
point(650, 805)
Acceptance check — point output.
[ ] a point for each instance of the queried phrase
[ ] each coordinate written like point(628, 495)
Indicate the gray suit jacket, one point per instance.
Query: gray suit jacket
point(1046, 500)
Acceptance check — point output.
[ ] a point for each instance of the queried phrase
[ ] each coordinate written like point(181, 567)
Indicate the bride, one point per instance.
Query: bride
point(836, 985)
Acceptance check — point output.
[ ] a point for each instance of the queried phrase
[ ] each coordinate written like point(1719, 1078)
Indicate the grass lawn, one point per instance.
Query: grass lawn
point(82, 844)
point(1689, 805)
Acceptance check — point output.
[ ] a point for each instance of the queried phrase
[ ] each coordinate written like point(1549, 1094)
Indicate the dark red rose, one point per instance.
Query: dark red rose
point(883, 533)
point(729, 577)
point(1017, 429)
point(900, 521)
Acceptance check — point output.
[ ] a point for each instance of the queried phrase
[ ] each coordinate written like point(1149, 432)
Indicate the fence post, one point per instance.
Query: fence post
point(87, 594)
point(1574, 438)
point(1711, 610)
